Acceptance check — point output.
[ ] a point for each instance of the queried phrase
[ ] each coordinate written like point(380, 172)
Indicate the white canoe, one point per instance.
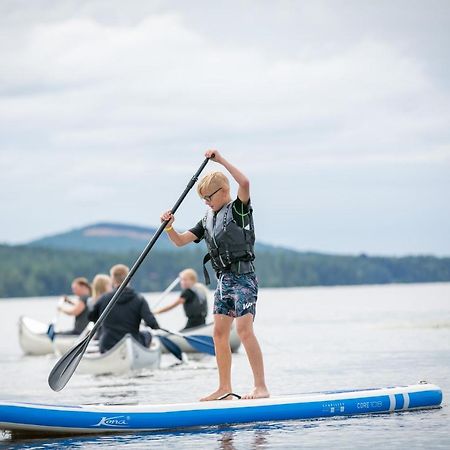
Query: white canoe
point(202, 330)
point(34, 340)
point(128, 355)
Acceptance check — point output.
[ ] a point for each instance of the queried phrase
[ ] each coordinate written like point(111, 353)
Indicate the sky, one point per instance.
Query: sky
point(338, 112)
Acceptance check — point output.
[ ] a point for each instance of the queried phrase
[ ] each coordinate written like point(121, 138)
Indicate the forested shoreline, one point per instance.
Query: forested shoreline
point(32, 271)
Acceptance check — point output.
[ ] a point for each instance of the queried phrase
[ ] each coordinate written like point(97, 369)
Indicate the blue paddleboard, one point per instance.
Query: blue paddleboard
point(34, 419)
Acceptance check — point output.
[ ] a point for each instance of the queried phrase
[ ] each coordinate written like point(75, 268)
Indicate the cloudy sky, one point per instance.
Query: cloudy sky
point(338, 111)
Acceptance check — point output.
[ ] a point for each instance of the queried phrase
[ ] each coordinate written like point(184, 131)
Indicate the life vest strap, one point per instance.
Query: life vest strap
point(206, 258)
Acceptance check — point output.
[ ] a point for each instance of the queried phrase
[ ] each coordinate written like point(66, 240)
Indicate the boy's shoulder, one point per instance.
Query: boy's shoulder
point(241, 212)
point(239, 207)
point(240, 203)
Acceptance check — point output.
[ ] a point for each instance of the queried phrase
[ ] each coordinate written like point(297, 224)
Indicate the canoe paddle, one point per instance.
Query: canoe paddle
point(203, 344)
point(51, 328)
point(51, 332)
point(67, 364)
point(171, 347)
point(166, 292)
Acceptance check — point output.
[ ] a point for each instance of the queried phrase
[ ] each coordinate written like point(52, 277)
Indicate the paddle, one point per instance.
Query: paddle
point(51, 328)
point(65, 367)
point(164, 294)
point(203, 344)
point(171, 347)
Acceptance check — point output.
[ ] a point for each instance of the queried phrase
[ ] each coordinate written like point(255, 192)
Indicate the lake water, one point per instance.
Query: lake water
point(312, 338)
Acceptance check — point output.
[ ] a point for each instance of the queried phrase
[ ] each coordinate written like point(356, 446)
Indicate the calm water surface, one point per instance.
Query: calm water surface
point(312, 339)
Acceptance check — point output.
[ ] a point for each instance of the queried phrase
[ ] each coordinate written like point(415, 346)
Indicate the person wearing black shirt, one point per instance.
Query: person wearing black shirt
point(193, 297)
point(126, 315)
point(77, 307)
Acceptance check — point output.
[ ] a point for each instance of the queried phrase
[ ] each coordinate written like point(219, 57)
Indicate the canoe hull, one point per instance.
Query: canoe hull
point(203, 330)
point(34, 340)
point(126, 356)
point(36, 419)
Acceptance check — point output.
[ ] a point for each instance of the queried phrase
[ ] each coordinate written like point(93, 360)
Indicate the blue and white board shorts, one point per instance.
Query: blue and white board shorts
point(236, 294)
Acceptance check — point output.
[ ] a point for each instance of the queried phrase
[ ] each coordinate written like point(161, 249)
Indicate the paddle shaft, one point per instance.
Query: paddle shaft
point(145, 252)
point(164, 294)
point(67, 364)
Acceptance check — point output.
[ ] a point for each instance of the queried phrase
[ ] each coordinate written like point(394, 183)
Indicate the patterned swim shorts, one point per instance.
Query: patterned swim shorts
point(236, 294)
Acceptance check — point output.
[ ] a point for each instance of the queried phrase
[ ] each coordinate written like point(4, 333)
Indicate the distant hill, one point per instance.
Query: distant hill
point(103, 237)
point(108, 237)
point(47, 266)
point(35, 271)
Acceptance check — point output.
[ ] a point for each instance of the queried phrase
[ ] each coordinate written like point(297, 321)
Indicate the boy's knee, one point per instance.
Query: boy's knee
point(245, 332)
point(220, 335)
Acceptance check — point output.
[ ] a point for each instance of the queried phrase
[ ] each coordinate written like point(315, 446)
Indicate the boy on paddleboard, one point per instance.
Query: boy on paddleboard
point(229, 234)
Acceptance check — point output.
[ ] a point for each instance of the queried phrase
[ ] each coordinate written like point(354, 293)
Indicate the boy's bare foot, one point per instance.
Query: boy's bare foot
point(257, 393)
point(216, 395)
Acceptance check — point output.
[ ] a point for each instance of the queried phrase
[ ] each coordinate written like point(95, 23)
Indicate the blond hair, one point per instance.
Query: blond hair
point(118, 273)
point(211, 182)
point(100, 284)
point(189, 273)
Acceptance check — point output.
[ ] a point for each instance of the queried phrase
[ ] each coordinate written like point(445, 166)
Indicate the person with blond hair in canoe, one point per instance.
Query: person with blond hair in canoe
point(193, 297)
point(101, 284)
point(228, 231)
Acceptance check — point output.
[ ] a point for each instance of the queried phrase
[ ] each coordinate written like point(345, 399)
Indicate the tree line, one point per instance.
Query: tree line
point(29, 272)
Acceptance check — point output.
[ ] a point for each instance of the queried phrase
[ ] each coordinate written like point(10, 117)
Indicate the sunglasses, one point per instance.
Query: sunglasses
point(209, 197)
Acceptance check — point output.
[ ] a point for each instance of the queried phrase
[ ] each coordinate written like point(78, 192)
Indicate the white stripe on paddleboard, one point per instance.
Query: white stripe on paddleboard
point(392, 402)
point(405, 400)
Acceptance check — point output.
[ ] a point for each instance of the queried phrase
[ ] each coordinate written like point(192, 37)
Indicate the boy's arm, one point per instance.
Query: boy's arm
point(241, 179)
point(148, 316)
point(179, 239)
point(178, 301)
point(74, 309)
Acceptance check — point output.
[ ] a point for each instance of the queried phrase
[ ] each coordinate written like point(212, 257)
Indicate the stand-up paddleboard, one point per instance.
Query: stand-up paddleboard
point(37, 419)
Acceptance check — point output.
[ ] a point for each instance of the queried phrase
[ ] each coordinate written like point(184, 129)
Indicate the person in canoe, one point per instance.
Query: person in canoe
point(101, 284)
point(126, 316)
point(193, 297)
point(228, 231)
point(75, 307)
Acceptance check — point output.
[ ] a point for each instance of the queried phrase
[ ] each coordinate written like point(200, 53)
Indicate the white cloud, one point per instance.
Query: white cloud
point(103, 85)
point(87, 92)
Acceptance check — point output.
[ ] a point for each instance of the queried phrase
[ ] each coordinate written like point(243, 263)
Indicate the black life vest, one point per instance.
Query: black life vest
point(82, 320)
point(230, 247)
point(199, 306)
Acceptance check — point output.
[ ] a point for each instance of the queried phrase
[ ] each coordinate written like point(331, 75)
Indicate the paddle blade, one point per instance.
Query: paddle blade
point(51, 331)
point(203, 344)
point(171, 347)
point(65, 367)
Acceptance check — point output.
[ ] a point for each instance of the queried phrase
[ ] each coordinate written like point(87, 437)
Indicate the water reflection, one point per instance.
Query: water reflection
point(257, 441)
point(229, 439)
point(289, 434)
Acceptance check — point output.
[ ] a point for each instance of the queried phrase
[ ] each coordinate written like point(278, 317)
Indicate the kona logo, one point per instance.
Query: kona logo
point(117, 421)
